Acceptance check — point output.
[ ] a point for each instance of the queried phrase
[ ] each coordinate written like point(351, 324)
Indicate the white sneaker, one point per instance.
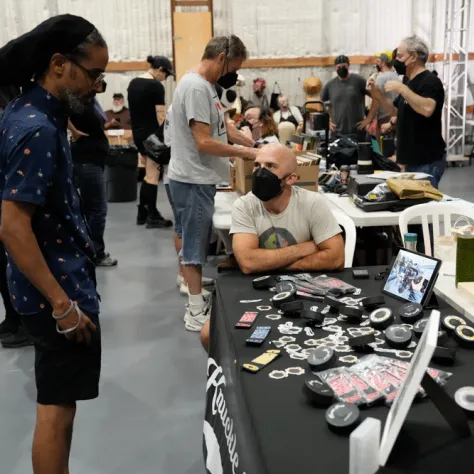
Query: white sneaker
point(184, 290)
point(195, 322)
point(205, 281)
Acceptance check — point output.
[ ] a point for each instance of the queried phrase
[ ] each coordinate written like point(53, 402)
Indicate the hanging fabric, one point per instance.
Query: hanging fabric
point(274, 97)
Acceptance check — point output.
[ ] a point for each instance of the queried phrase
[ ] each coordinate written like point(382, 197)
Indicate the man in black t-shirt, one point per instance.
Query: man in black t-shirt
point(90, 148)
point(418, 107)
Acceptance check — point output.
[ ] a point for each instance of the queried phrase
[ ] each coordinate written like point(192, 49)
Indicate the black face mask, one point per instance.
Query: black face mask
point(228, 80)
point(245, 123)
point(399, 67)
point(342, 72)
point(266, 185)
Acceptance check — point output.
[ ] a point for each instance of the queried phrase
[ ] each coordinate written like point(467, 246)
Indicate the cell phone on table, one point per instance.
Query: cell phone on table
point(259, 335)
point(247, 320)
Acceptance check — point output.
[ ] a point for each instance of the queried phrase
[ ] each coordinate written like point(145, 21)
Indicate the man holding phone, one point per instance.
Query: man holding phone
point(119, 115)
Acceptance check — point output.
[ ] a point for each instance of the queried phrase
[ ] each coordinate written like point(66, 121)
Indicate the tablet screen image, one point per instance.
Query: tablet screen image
point(412, 276)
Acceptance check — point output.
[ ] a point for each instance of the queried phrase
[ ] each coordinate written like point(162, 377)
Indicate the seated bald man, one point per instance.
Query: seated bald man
point(281, 226)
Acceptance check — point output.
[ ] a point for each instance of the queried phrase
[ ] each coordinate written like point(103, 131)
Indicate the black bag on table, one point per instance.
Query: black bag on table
point(383, 163)
point(343, 150)
point(156, 149)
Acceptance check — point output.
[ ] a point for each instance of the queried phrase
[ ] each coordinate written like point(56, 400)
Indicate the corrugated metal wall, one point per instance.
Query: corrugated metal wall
point(269, 28)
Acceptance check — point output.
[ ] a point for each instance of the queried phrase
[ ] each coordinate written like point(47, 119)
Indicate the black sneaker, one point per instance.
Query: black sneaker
point(157, 221)
point(7, 328)
point(19, 339)
point(142, 215)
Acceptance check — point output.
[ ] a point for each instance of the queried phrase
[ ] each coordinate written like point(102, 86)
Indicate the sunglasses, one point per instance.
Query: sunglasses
point(95, 77)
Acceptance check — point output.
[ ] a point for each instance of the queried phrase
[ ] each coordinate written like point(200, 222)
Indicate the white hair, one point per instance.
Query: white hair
point(415, 44)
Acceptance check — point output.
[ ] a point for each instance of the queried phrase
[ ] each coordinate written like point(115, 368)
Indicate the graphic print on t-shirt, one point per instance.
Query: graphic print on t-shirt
point(276, 238)
point(221, 123)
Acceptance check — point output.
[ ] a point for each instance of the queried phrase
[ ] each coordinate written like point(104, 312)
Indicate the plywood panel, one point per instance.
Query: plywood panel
point(192, 32)
point(323, 61)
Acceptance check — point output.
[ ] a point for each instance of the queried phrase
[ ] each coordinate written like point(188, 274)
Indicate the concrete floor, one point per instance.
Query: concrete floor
point(148, 418)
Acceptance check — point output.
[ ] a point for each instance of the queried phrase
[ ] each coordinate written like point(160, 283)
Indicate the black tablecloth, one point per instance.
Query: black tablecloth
point(265, 426)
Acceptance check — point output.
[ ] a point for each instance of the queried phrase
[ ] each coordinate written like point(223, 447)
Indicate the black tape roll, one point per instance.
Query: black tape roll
point(398, 336)
point(342, 418)
point(283, 286)
point(318, 392)
point(292, 306)
point(263, 283)
point(313, 316)
point(464, 397)
point(373, 301)
point(411, 312)
point(451, 322)
point(321, 358)
point(381, 318)
point(420, 326)
point(465, 336)
point(284, 297)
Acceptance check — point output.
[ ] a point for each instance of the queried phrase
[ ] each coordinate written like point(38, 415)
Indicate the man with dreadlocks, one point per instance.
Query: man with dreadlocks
point(51, 273)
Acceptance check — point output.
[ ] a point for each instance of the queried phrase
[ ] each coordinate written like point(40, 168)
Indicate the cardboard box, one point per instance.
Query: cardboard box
point(120, 137)
point(308, 176)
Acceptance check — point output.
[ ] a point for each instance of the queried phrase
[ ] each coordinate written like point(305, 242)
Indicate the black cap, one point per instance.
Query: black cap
point(342, 59)
point(30, 53)
point(118, 95)
point(161, 61)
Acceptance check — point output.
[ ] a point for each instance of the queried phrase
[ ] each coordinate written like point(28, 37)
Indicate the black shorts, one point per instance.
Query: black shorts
point(65, 371)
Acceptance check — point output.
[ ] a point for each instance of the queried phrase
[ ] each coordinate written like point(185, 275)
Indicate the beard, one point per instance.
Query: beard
point(117, 108)
point(76, 103)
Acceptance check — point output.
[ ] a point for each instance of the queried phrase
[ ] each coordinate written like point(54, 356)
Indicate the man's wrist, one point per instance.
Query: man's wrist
point(61, 305)
point(403, 90)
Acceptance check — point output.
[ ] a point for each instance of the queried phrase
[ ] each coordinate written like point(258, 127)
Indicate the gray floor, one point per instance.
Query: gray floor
point(148, 418)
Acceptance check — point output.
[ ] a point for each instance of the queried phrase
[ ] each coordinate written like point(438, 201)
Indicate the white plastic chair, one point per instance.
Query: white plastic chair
point(431, 212)
point(350, 229)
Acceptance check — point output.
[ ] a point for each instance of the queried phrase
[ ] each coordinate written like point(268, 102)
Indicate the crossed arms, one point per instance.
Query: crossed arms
point(306, 256)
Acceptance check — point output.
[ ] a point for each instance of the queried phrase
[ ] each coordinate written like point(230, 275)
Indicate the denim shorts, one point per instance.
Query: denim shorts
point(435, 169)
point(170, 200)
point(194, 207)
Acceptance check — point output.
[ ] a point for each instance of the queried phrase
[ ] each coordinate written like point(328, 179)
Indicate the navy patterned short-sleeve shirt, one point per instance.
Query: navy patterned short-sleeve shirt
point(36, 167)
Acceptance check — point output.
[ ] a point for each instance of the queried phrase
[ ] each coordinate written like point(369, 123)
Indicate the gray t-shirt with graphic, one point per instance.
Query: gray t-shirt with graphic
point(307, 217)
point(347, 102)
point(381, 80)
point(196, 99)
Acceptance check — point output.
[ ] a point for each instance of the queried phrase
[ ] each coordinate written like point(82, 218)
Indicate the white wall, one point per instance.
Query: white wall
point(269, 28)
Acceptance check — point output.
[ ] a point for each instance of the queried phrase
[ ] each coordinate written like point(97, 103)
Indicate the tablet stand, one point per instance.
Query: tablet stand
point(432, 302)
point(448, 408)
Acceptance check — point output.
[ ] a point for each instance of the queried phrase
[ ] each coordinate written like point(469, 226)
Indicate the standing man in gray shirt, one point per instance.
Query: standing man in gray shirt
point(386, 73)
point(200, 159)
point(346, 93)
